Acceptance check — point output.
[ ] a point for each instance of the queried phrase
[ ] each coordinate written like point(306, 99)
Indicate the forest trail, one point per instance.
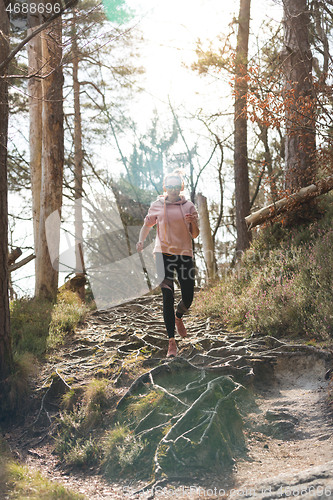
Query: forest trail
point(288, 425)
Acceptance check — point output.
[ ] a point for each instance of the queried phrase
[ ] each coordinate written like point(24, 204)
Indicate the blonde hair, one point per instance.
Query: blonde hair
point(176, 173)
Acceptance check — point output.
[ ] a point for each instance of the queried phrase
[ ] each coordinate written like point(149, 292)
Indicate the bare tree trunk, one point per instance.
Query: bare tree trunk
point(206, 236)
point(6, 358)
point(34, 49)
point(242, 194)
point(52, 158)
point(299, 96)
point(268, 161)
point(317, 12)
point(78, 160)
point(219, 219)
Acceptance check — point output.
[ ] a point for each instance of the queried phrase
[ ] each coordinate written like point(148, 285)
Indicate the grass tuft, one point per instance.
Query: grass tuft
point(22, 484)
point(67, 313)
point(85, 411)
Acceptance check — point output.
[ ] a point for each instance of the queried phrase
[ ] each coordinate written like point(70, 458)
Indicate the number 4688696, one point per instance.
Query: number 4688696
point(34, 8)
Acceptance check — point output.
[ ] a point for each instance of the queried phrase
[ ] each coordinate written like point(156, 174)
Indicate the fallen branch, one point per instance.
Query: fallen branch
point(303, 195)
point(22, 262)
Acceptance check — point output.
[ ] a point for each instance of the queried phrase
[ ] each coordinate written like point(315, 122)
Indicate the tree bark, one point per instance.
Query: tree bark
point(298, 96)
point(34, 50)
point(242, 195)
point(52, 160)
point(206, 236)
point(268, 161)
point(6, 357)
point(78, 161)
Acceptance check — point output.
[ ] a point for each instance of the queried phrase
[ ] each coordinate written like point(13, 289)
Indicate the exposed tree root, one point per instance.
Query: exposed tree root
point(184, 409)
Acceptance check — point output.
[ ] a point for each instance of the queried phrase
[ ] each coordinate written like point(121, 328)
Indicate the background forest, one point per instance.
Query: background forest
point(79, 167)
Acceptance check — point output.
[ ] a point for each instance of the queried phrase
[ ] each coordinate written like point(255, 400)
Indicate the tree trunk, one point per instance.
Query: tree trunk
point(52, 160)
point(298, 94)
point(34, 50)
point(78, 161)
point(206, 236)
point(6, 358)
point(268, 161)
point(242, 195)
point(289, 202)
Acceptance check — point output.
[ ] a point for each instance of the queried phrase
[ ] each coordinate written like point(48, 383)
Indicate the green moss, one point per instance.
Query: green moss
point(142, 404)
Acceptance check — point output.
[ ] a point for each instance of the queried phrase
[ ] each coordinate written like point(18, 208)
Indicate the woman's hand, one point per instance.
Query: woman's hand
point(193, 224)
point(190, 218)
point(139, 246)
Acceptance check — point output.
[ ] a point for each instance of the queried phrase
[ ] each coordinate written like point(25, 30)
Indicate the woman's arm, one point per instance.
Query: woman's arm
point(142, 236)
point(193, 221)
point(194, 229)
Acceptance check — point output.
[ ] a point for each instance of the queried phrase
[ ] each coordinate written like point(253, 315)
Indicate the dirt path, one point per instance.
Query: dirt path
point(287, 419)
point(291, 429)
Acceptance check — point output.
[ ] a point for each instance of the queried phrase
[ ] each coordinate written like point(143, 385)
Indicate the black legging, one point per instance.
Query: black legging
point(166, 266)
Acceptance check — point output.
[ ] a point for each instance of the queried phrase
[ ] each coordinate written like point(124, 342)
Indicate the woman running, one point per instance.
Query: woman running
point(177, 224)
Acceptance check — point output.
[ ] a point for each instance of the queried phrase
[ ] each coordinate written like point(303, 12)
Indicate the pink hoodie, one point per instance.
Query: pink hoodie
point(173, 233)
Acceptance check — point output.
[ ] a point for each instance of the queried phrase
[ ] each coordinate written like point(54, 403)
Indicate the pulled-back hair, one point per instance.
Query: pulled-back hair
point(176, 174)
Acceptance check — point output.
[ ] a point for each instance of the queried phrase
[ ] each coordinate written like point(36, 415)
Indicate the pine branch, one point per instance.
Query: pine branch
point(27, 39)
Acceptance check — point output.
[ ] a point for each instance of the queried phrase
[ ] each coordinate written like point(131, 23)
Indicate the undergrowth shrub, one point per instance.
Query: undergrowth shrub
point(38, 324)
point(69, 399)
point(69, 431)
point(83, 414)
point(24, 368)
point(283, 284)
point(89, 434)
point(121, 450)
point(30, 320)
point(84, 452)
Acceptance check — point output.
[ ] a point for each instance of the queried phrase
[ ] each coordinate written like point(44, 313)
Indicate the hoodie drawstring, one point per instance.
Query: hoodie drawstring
point(165, 223)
